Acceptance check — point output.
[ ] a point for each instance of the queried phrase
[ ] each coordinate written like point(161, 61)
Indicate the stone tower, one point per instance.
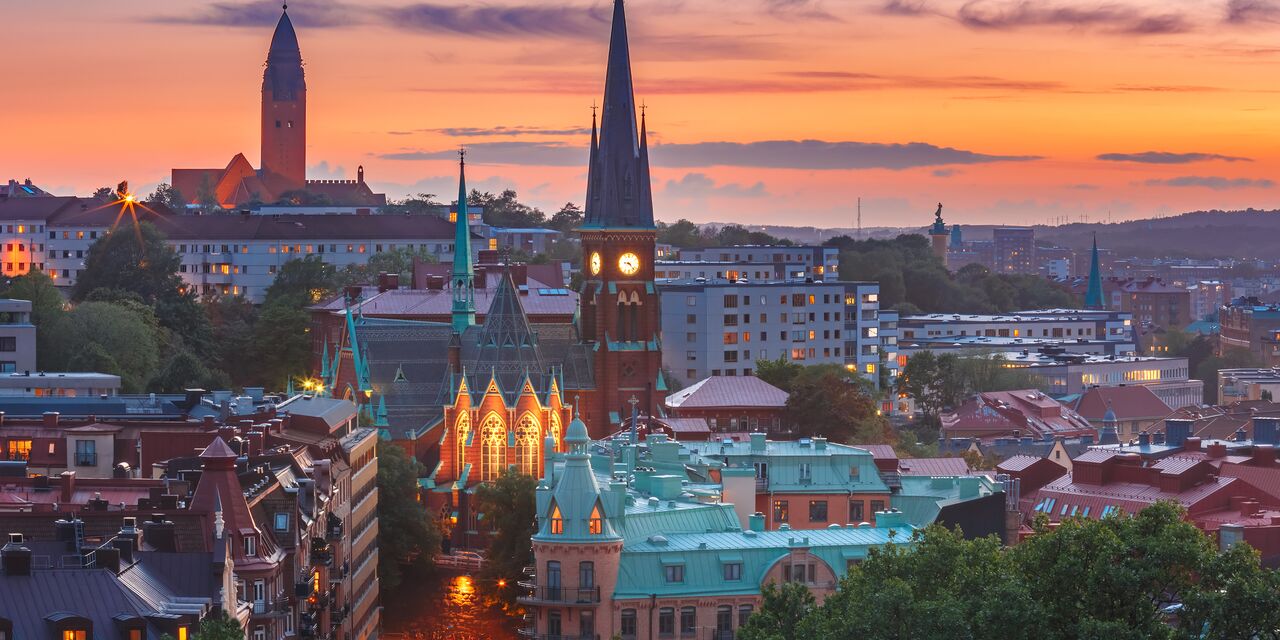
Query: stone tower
point(284, 112)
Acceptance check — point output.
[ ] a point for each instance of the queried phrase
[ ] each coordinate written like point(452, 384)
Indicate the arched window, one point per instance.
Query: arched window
point(556, 521)
point(462, 431)
point(622, 316)
point(493, 447)
point(596, 524)
point(635, 316)
point(555, 427)
point(527, 445)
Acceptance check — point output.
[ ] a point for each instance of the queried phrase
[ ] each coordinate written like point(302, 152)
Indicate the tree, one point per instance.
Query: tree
point(112, 338)
point(506, 210)
point(129, 258)
point(168, 196)
point(779, 373)
point(406, 533)
point(183, 370)
point(682, 234)
point(568, 218)
point(828, 400)
point(232, 320)
point(508, 504)
point(421, 204)
point(782, 610)
point(219, 627)
point(303, 281)
point(281, 350)
point(48, 310)
point(105, 194)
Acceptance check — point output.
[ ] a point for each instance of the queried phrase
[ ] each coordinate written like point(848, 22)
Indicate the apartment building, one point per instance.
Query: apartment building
point(724, 327)
point(807, 261)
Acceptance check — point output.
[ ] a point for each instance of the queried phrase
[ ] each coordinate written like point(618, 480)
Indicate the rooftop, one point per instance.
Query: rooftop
point(728, 392)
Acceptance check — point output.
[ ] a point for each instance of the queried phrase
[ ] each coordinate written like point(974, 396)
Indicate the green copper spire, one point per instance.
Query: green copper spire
point(464, 295)
point(1093, 298)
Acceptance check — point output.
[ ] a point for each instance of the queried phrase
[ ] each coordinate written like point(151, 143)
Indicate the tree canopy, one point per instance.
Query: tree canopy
point(407, 534)
point(509, 506)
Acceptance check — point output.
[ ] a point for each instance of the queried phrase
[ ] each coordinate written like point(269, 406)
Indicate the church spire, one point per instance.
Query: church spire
point(1093, 297)
point(619, 194)
point(463, 278)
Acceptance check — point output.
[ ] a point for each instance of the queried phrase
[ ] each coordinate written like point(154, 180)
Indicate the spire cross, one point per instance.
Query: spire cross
point(593, 109)
point(286, 6)
point(643, 108)
point(462, 154)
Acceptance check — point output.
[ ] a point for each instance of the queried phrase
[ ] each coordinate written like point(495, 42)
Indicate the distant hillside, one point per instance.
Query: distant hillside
point(1202, 234)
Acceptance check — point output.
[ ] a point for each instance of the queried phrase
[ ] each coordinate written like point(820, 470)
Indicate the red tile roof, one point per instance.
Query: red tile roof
point(728, 391)
point(1266, 479)
point(1129, 403)
point(1027, 412)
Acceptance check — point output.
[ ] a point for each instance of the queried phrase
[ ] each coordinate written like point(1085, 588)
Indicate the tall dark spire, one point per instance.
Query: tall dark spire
point(1094, 297)
point(284, 74)
point(619, 193)
point(463, 277)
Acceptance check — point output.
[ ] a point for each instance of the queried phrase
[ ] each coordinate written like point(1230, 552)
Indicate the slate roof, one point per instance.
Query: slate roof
point(933, 467)
point(95, 594)
point(728, 392)
point(1129, 403)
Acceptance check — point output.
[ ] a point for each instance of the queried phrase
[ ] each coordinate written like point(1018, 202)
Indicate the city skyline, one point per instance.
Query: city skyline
point(1103, 127)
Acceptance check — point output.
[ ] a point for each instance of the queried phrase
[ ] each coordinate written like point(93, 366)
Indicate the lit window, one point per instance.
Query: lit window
point(596, 524)
point(557, 521)
point(182, 632)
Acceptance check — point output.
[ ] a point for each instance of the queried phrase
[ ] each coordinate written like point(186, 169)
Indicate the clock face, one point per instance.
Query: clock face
point(595, 263)
point(629, 264)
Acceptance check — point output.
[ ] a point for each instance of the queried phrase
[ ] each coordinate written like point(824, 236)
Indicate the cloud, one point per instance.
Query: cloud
point(265, 13)
point(1083, 187)
point(699, 186)
point(552, 154)
point(772, 154)
point(1008, 15)
point(1165, 157)
point(807, 9)
point(515, 131)
point(1247, 11)
point(323, 171)
point(820, 155)
point(1217, 183)
point(945, 173)
point(847, 80)
point(550, 20)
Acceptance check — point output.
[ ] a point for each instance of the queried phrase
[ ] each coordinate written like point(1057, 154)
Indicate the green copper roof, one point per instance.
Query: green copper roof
point(802, 466)
point(1094, 298)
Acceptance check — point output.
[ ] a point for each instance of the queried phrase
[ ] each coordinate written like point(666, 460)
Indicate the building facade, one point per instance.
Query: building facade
point(1014, 250)
point(797, 262)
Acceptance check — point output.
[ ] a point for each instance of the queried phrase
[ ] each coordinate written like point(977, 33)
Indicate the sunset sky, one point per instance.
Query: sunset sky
point(760, 111)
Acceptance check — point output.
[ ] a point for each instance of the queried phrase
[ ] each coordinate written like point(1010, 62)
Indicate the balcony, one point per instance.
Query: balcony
point(321, 554)
point(86, 459)
point(336, 527)
point(545, 594)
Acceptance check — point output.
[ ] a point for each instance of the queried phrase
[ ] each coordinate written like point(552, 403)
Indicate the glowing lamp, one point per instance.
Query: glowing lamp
point(368, 393)
point(502, 583)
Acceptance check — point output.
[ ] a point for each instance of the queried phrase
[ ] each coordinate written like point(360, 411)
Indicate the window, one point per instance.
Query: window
point(729, 338)
point(282, 522)
point(730, 301)
point(744, 614)
point(688, 621)
point(674, 573)
point(182, 632)
point(73, 634)
point(733, 571)
point(877, 506)
point(628, 627)
point(587, 624)
point(86, 453)
point(553, 624)
point(586, 575)
point(288, 622)
point(19, 449)
point(691, 319)
point(557, 521)
point(817, 511)
point(781, 511)
point(724, 620)
point(855, 511)
point(250, 550)
point(806, 471)
point(134, 634)
point(596, 524)
point(666, 621)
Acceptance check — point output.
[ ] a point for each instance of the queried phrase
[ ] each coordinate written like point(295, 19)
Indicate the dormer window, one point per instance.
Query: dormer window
point(557, 521)
point(596, 524)
point(250, 546)
point(73, 634)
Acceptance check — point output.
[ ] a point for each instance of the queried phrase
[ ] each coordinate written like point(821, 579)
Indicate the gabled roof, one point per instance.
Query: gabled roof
point(728, 392)
point(1129, 403)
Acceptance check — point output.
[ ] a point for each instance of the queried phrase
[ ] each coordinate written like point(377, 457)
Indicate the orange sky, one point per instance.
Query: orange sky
point(1023, 112)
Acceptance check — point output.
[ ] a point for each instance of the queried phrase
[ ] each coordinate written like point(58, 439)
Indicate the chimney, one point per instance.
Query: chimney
point(51, 419)
point(68, 486)
point(388, 282)
point(15, 558)
point(1264, 455)
point(1192, 444)
point(758, 442)
point(1216, 450)
point(819, 444)
point(161, 534)
point(756, 521)
point(435, 283)
point(107, 557)
point(1179, 429)
point(209, 422)
point(1144, 439)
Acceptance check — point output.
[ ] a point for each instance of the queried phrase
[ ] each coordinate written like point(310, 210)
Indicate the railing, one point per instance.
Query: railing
point(322, 557)
point(261, 606)
point(762, 484)
point(86, 459)
point(806, 480)
point(467, 560)
point(563, 595)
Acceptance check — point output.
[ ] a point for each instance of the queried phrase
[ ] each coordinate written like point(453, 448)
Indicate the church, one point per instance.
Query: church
point(469, 399)
point(283, 174)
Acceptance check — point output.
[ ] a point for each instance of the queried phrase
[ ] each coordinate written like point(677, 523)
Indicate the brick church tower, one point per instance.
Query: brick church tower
point(284, 111)
point(619, 301)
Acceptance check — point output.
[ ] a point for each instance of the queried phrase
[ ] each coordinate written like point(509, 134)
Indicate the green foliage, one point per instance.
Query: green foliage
point(233, 321)
point(828, 400)
point(779, 373)
point(937, 382)
point(220, 627)
point(398, 261)
point(687, 235)
point(111, 338)
point(421, 204)
point(184, 370)
point(1109, 578)
point(168, 196)
point(130, 258)
point(406, 533)
point(913, 280)
point(567, 219)
point(783, 609)
point(506, 210)
point(48, 310)
point(281, 348)
point(1231, 358)
point(509, 505)
point(303, 281)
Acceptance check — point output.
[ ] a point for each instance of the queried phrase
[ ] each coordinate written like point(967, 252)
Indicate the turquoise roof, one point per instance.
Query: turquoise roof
point(923, 497)
point(829, 466)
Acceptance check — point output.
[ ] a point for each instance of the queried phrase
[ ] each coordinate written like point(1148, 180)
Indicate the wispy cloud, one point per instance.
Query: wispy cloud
point(1252, 11)
point(945, 173)
point(549, 19)
point(904, 7)
point(1111, 17)
point(1217, 183)
point(514, 131)
point(774, 154)
point(1165, 157)
point(820, 155)
point(265, 13)
point(807, 9)
point(697, 186)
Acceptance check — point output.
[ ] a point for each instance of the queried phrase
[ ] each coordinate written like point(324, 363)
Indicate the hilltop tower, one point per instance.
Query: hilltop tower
point(619, 312)
point(939, 235)
point(284, 110)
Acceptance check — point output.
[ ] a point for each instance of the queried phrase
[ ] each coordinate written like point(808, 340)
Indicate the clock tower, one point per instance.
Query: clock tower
point(619, 313)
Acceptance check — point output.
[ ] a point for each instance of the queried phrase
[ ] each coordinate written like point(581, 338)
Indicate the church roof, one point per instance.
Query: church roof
point(618, 190)
point(285, 39)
